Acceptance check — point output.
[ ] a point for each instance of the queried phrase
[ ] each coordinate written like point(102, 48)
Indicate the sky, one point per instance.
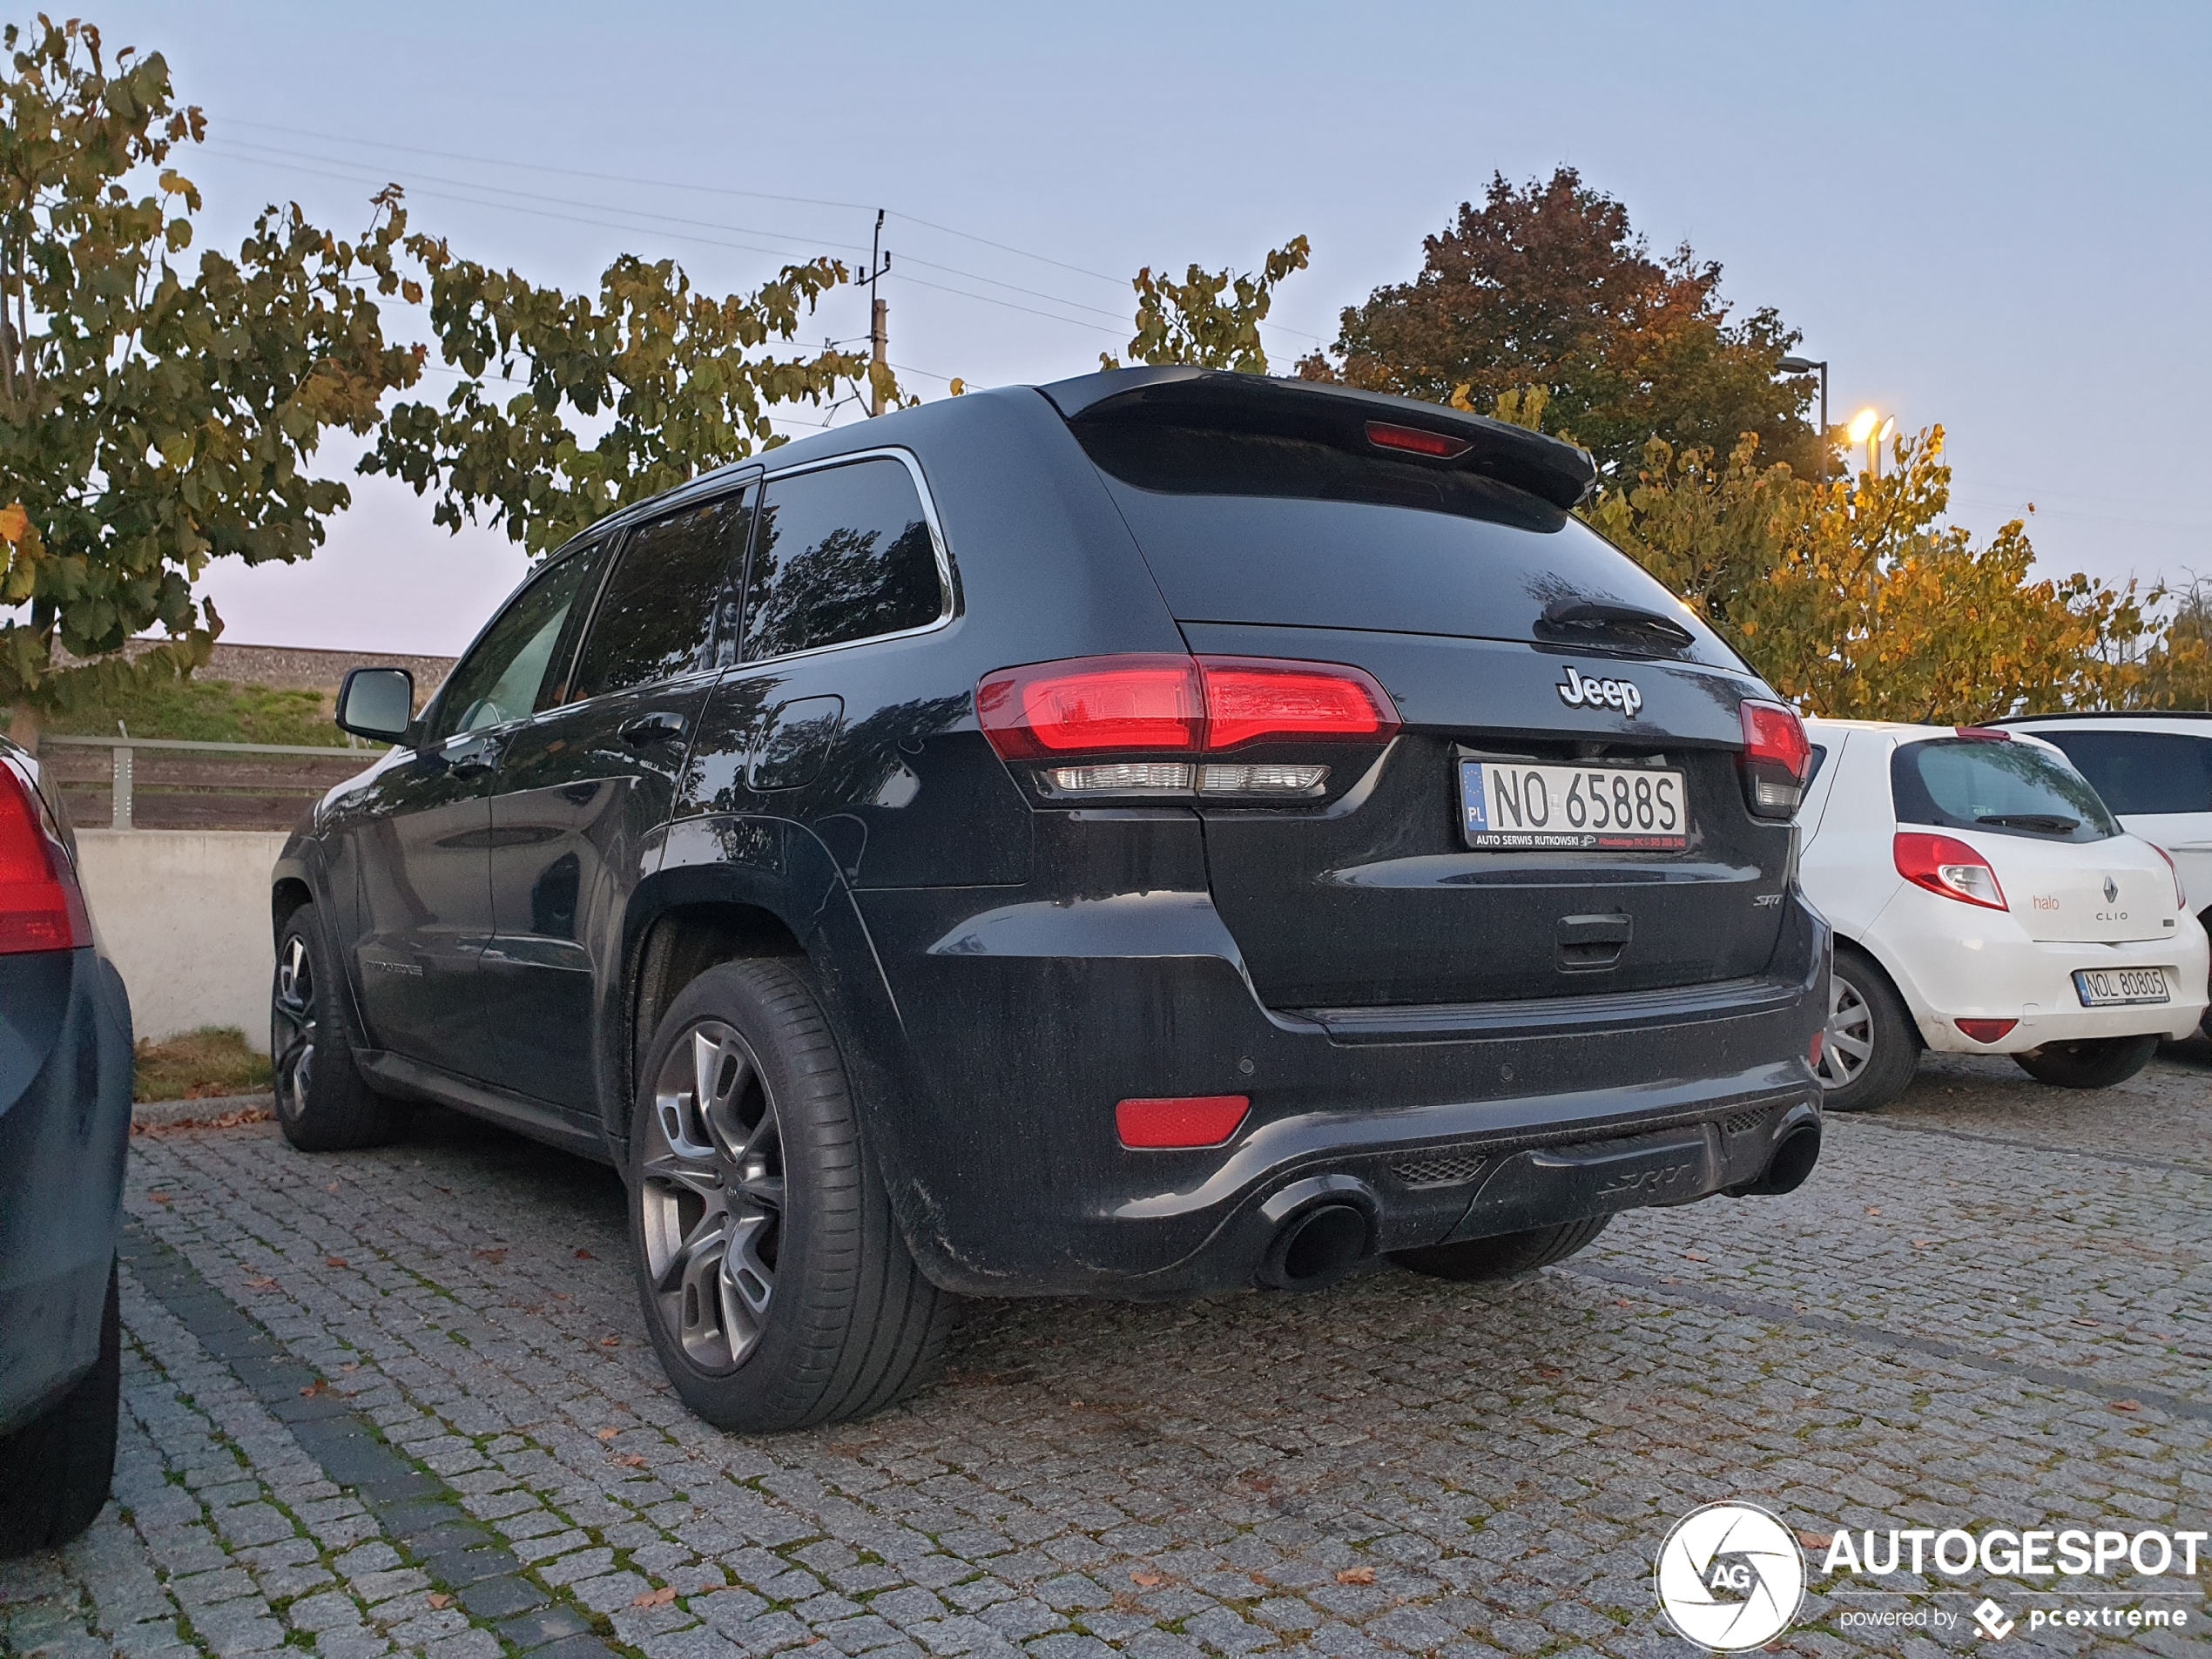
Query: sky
point(1998, 216)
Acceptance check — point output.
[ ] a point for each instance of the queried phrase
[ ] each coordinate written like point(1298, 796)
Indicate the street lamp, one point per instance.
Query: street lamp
point(1806, 366)
point(1870, 429)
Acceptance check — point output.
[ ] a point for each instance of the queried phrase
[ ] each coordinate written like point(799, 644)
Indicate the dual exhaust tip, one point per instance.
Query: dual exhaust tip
point(1322, 1233)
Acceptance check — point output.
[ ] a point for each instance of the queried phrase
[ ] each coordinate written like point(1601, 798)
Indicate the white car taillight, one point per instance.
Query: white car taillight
point(1943, 865)
point(2181, 899)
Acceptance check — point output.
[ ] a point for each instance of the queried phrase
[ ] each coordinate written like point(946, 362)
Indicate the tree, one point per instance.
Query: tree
point(1190, 322)
point(1549, 287)
point(151, 420)
point(663, 373)
point(1854, 600)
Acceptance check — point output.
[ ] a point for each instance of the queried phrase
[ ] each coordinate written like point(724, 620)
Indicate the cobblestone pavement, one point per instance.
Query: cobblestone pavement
point(401, 1400)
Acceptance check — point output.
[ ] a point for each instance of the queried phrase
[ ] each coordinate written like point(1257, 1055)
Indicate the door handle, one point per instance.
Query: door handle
point(648, 729)
point(477, 760)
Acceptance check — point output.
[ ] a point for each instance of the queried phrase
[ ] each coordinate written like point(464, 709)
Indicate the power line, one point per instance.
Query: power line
point(972, 276)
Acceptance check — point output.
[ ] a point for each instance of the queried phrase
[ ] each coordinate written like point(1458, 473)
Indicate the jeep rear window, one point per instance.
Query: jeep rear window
point(1255, 527)
point(2142, 771)
point(2004, 788)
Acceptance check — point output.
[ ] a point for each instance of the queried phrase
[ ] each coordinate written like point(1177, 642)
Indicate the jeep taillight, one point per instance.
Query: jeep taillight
point(1946, 865)
point(1777, 757)
point(41, 907)
point(1162, 719)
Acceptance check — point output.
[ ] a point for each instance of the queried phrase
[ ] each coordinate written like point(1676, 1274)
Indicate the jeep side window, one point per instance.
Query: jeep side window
point(499, 679)
point(656, 619)
point(843, 553)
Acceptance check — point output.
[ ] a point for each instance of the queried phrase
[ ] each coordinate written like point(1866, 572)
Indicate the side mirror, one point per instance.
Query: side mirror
point(377, 703)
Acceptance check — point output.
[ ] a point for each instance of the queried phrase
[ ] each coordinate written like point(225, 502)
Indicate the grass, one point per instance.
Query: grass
point(199, 1065)
point(208, 712)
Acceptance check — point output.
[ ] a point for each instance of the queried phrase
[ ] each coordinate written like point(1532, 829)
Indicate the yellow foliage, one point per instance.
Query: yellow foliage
point(1855, 601)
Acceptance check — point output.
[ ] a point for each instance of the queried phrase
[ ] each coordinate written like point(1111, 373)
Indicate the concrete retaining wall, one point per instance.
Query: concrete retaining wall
point(184, 915)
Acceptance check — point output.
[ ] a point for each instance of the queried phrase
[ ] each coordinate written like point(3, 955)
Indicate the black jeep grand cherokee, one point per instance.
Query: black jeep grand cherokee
point(1141, 835)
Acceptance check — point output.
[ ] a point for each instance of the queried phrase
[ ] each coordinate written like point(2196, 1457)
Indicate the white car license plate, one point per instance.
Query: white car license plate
point(1510, 804)
point(2106, 987)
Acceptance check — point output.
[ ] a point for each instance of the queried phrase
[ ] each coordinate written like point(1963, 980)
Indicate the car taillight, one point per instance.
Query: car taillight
point(1159, 707)
point(1777, 756)
point(40, 907)
point(2181, 899)
point(1949, 866)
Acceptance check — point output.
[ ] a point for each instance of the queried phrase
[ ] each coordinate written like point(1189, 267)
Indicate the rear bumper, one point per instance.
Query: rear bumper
point(65, 1063)
point(1953, 963)
point(1025, 1025)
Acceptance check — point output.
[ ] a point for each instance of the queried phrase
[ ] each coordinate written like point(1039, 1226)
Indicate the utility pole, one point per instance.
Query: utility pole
point(879, 319)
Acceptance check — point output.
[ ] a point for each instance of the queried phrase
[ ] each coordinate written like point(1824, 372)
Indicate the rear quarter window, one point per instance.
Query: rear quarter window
point(842, 553)
point(1996, 788)
point(2142, 771)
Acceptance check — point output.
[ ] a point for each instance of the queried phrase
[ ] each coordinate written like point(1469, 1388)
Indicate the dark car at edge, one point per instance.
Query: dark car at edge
point(1155, 833)
point(65, 1068)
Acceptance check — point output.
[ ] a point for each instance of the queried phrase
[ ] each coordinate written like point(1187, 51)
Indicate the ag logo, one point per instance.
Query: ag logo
point(1731, 1577)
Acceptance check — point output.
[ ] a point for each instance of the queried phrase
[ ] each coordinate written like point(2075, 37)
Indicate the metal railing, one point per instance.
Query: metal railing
point(123, 767)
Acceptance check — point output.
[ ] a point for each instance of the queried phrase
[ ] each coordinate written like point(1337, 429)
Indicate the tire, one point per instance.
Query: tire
point(55, 1470)
point(323, 1103)
point(1870, 1048)
point(1504, 1257)
point(823, 1315)
point(2091, 1062)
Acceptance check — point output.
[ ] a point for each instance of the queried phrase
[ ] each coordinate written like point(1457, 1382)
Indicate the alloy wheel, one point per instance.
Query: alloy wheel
point(712, 1197)
point(1848, 1044)
point(292, 1027)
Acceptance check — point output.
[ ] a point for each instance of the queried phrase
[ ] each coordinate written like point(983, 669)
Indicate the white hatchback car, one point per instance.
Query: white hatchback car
point(2155, 771)
point(1985, 902)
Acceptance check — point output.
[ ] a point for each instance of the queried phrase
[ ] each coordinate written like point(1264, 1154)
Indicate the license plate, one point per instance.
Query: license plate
point(2107, 987)
point(1509, 805)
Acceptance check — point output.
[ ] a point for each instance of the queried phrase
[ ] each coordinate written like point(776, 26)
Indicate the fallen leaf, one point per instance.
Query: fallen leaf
point(351, 1364)
point(608, 1434)
point(1356, 1575)
point(2126, 1405)
point(159, 1198)
point(1549, 1371)
point(1692, 1256)
point(260, 1285)
point(660, 1597)
point(1873, 1210)
point(1077, 1404)
point(611, 1342)
point(1622, 1302)
point(2087, 1324)
point(631, 1460)
point(1816, 1539)
point(439, 1598)
point(494, 1257)
point(335, 1261)
point(1923, 1243)
point(332, 1187)
point(1148, 1580)
point(321, 1385)
point(585, 1256)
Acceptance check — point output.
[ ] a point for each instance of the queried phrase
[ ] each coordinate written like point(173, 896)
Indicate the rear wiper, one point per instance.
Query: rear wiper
point(2044, 823)
point(1630, 623)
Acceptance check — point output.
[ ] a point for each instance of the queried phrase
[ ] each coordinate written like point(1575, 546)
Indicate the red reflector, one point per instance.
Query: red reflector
point(1385, 435)
point(1985, 1030)
point(1813, 1055)
point(1093, 705)
point(40, 905)
point(1192, 1120)
point(1251, 698)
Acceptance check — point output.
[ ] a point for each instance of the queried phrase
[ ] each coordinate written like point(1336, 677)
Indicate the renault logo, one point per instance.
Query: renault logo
point(2111, 890)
